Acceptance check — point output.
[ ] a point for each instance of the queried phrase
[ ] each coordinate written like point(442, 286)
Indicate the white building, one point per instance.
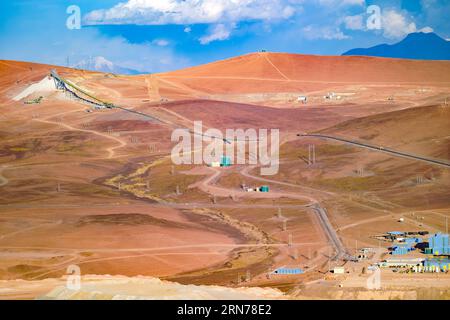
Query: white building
point(339, 270)
point(214, 164)
point(302, 99)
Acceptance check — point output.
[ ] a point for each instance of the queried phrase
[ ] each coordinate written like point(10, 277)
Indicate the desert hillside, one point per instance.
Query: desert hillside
point(309, 68)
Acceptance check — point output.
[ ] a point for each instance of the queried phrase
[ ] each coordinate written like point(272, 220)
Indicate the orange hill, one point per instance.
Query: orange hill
point(283, 66)
point(251, 73)
point(282, 72)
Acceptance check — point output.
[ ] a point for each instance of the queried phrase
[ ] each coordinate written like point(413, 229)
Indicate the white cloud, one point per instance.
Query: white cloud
point(217, 32)
point(220, 13)
point(426, 30)
point(160, 42)
point(355, 2)
point(161, 12)
point(354, 22)
point(396, 25)
point(326, 33)
point(90, 42)
point(336, 3)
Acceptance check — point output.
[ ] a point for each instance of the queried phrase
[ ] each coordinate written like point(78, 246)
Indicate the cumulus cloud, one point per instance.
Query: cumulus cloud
point(312, 32)
point(354, 22)
point(161, 42)
point(221, 14)
point(426, 30)
point(341, 3)
point(161, 12)
point(396, 25)
point(217, 32)
point(89, 42)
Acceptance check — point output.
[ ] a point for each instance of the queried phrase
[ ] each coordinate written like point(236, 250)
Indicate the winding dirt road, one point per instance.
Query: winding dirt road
point(110, 150)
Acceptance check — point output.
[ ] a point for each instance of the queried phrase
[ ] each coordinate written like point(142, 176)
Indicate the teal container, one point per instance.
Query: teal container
point(264, 189)
point(225, 161)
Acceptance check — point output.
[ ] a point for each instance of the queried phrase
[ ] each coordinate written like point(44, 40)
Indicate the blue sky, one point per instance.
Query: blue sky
point(161, 35)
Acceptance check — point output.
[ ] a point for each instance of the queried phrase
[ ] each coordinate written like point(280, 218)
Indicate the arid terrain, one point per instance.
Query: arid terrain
point(96, 187)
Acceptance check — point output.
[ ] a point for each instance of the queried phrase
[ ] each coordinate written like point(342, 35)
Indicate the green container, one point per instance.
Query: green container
point(264, 189)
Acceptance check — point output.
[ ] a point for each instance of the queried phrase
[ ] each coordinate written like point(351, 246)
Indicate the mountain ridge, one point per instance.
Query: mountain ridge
point(101, 64)
point(416, 46)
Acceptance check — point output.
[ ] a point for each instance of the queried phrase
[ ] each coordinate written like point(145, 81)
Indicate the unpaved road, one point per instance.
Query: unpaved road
point(208, 185)
point(111, 150)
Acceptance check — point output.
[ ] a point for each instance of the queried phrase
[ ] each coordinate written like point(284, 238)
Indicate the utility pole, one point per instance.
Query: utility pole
point(314, 154)
point(295, 254)
point(361, 171)
point(446, 225)
point(284, 225)
point(311, 154)
point(419, 179)
point(248, 276)
point(329, 259)
point(279, 213)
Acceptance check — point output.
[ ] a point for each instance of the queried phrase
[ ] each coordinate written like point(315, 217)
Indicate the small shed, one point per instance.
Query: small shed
point(302, 99)
point(214, 164)
point(339, 270)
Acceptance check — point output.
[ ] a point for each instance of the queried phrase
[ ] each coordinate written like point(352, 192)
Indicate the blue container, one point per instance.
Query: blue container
point(288, 271)
point(400, 250)
point(439, 244)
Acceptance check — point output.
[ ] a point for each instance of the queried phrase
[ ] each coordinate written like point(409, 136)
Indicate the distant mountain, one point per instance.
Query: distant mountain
point(423, 46)
point(101, 64)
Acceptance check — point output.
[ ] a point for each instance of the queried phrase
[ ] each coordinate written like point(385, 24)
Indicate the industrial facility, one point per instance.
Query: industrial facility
point(436, 247)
